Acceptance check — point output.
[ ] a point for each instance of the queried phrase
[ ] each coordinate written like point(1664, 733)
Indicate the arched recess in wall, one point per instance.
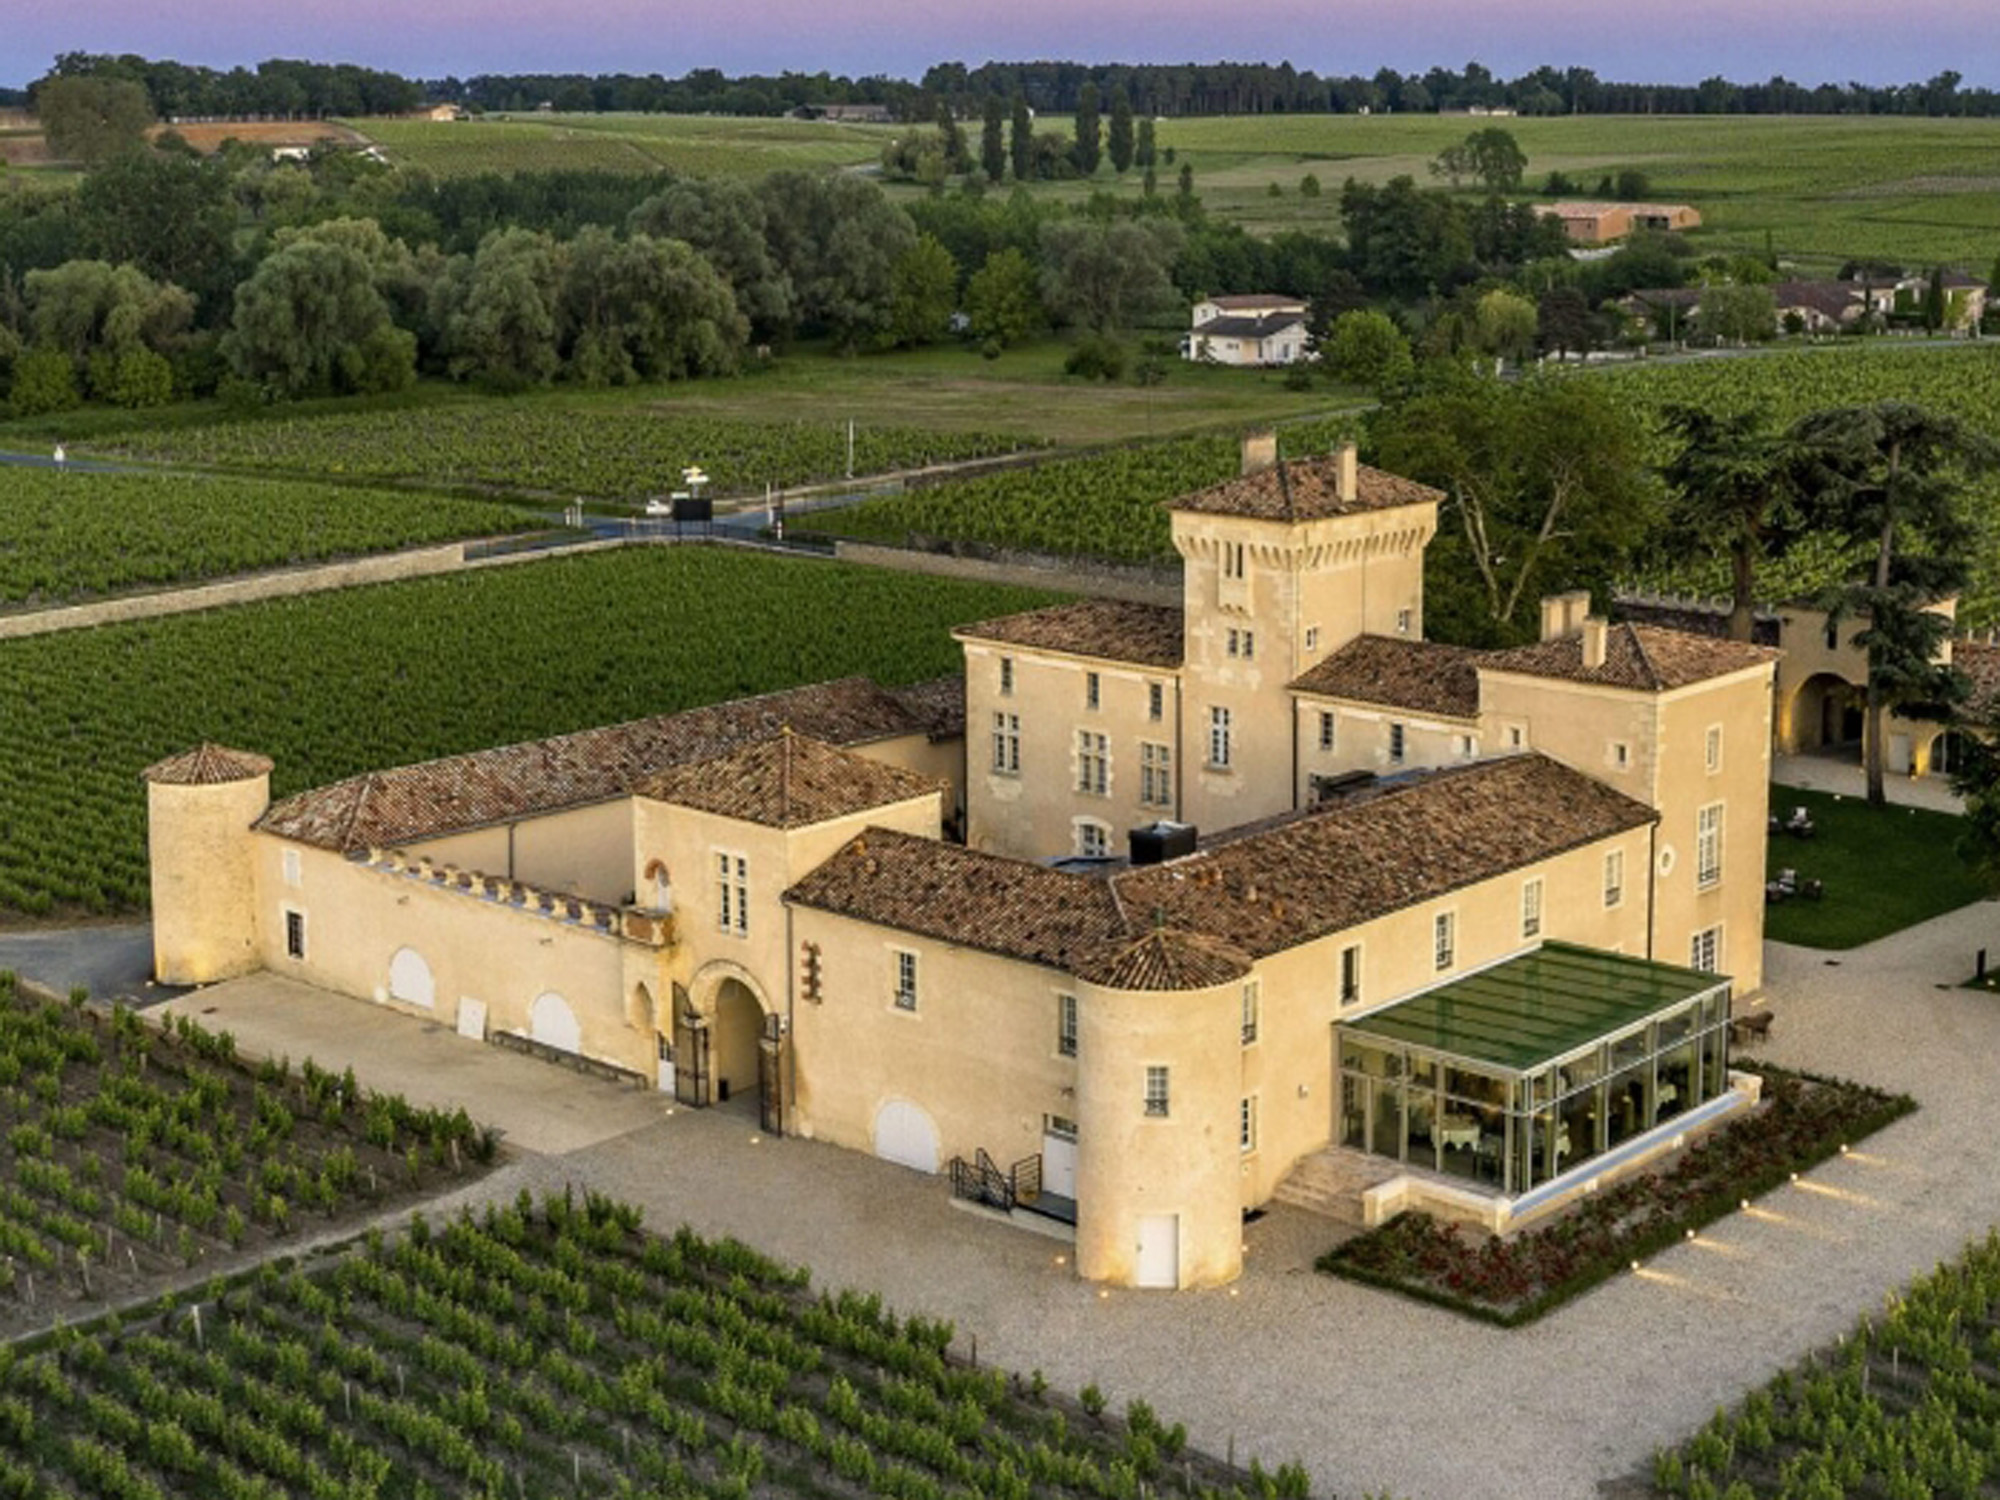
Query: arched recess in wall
point(552, 1023)
point(905, 1135)
point(660, 886)
point(410, 978)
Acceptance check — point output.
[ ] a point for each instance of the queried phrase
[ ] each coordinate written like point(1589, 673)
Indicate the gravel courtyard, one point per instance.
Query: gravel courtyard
point(1373, 1392)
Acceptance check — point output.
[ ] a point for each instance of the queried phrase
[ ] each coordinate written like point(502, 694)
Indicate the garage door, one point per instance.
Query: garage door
point(904, 1135)
point(552, 1023)
point(410, 978)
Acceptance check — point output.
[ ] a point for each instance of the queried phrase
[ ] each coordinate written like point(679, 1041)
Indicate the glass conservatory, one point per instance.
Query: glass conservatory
point(1523, 1072)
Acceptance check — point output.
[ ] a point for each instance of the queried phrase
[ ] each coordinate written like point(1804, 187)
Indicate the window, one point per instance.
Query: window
point(1246, 1125)
point(1059, 1125)
point(1350, 974)
point(1007, 744)
point(1093, 762)
point(1396, 744)
point(1621, 755)
point(732, 872)
point(1531, 908)
point(1444, 940)
point(1156, 1092)
point(1708, 846)
point(1705, 952)
point(1093, 690)
point(1218, 738)
point(1093, 839)
point(291, 866)
point(1326, 729)
point(295, 934)
point(1066, 1025)
point(1232, 559)
point(906, 981)
point(1614, 878)
point(1006, 676)
point(1514, 737)
point(1251, 1000)
point(1156, 701)
point(1312, 637)
point(1156, 775)
point(1833, 635)
point(1242, 643)
point(1402, 622)
point(1711, 750)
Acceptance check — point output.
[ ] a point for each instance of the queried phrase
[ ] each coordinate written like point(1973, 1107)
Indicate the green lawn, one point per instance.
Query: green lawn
point(1883, 871)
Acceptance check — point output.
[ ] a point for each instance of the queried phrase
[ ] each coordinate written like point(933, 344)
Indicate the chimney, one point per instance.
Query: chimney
point(1350, 473)
point(1595, 629)
point(1260, 450)
point(1564, 614)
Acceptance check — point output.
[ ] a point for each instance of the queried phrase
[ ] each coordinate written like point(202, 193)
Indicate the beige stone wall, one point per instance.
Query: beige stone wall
point(1606, 733)
point(1809, 665)
point(358, 917)
point(585, 850)
point(1034, 814)
point(203, 874)
point(942, 759)
point(1363, 741)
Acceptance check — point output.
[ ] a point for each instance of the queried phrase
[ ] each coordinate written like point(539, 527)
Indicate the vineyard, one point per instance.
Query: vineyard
point(1961, 380)
point(1904, 1408)
point(556, 1350)
point(1109, 504)
point(131, 1155)
point(706, 146)
point(65, 537)
point(600, 451)
point(334, 684)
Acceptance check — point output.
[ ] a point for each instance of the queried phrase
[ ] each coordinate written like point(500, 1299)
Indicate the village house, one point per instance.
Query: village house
point(1252, 329)
point(1247, 887)
point(1602, 223)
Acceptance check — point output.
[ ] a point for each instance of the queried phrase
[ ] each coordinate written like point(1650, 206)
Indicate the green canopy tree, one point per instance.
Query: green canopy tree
point(1365, 347)
point(1103, 275)
point(1504, 324)
point(90, 307)
point(1731, 491)
point(1089, 146)
point(1491, 157)
point(1739, 314)
point(1146, 149)
point(169, 215)
point(923, 292)
point(90, 118)
point(1545, 484)
point(1120, 144)
point(993, 139)
point(644, 309)
point(310, 322)
point(506, 332)
point(725, 219)
point(1003, 299)
point(1888, 480)
point(837, 239)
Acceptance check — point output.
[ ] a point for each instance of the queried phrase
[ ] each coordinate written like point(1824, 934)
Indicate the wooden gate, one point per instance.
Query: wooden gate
point(771, 1075)
point(691, 1041)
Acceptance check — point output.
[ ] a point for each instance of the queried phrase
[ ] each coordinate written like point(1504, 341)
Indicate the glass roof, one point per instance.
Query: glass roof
point(1533, 1009)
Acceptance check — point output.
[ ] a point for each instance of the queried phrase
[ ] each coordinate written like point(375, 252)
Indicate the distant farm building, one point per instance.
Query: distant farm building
point(1259, 328)
point(1601, 223)
point(441, 112)
point(846, 114)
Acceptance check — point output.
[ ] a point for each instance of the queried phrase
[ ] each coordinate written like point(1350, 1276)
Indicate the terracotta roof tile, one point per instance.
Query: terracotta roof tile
point(1643, 657)
point(1422, 676)
point(1696, 618)
point(1241, 301)
point(788, 782)
point(938, 704)
point(408, 803)
point(208, 764)
point(1305, 490)
point(1253, 894)
point(1149, 635)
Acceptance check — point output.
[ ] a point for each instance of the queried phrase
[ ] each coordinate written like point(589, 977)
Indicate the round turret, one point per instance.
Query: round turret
point(200, 806)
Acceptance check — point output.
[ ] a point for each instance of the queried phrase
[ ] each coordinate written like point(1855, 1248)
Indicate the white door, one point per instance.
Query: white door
point(552, 1023)
point(1160, 1250)
point(410, 978)
point(904, 1135)
point(1059, 1165)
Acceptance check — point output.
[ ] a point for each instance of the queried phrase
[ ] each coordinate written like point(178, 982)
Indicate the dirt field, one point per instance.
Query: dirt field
point(208, 135)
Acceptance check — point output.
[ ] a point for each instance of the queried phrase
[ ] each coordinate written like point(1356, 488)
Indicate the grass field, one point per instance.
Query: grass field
point(697, 144)
point(1883, 870)
point(65, 537)
point(334, 684)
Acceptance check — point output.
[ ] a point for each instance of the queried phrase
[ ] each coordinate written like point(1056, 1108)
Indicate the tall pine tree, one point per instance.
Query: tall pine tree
point(1147, 152)
point(993, 139)
point(1089, 146)
point(1022, 140)
point(1120, 145)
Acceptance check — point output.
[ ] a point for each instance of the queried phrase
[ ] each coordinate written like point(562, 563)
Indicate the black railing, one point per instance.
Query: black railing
point(1027, 1178)
point(981, 1181)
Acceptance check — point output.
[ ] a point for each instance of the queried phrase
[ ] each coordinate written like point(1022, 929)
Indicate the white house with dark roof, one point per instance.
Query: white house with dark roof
point(1249, 329)
point(1251, 894)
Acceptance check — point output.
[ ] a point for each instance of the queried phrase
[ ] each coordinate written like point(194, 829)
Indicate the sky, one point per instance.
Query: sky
point(1809, 41)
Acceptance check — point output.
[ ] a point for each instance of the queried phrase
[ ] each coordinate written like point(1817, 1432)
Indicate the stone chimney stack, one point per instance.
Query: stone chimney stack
point(1564, 614)
point(1350, 473)
point(1595, 631)
point(1260, 450)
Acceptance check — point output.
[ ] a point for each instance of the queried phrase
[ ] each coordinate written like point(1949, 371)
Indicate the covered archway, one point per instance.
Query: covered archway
point(1825, 712)
point(737, 1041)
point(1944, 754)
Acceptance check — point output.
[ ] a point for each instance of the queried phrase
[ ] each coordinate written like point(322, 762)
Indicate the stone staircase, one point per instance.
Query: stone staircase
point(1330, 1183)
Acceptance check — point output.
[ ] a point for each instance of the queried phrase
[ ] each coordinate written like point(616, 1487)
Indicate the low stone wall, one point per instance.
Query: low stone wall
point(1070, 575)
point(388, 567)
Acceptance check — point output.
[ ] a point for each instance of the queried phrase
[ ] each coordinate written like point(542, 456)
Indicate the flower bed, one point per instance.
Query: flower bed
point(1803, 1120)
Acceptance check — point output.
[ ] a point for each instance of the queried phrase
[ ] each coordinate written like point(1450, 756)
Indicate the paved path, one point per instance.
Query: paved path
point(1372, 1391)
point(1840, 775)
point(112, 962)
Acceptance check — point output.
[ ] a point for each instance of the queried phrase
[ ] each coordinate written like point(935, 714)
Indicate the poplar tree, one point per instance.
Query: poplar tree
point(1146, 153)
point(1089, 131)
point(1120, 145)
point(993, 140)
point(1021, 141)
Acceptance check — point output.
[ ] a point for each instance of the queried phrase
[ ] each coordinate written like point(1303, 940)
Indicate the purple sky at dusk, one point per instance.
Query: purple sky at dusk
point(1809, 41)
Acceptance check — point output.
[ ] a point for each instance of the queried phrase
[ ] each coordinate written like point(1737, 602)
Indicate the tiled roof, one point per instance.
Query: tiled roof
point(787, 782)
point(1305, 490)
point(983, 901)
point(1245, 326)
point(1165, 959)
point(1696, 619)
point(208, 764)
point(1148, 635)
point(1182, 924)
point(1370, 854)
point(1244, 301)
point(1643, 657)
point(1422, 676)
point(386, 808)
point(939, 705)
